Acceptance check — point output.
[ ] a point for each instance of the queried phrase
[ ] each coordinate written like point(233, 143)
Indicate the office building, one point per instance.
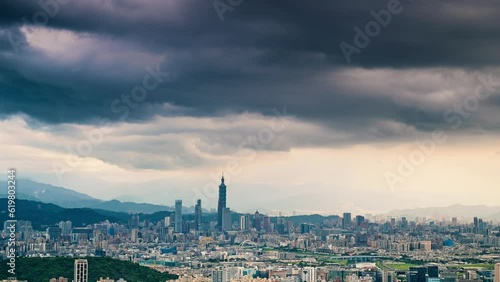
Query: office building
point(433, 271)
point(197, 215)
point(346, 220)
point(53, 233)
point(220, 275)
point(65, 227)
point(417, 274)
point(134, 235)
point(178, 217)
point(309, 274)
point(226, 219)
point(390, 276)
point(244, 222)
point(81, 271)
point(257, 221)
point(360, 220)
point(222, 202)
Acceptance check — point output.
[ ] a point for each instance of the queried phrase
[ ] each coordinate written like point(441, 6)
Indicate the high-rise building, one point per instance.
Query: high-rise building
point(305, 228)
point(133, 222)
point(222, 202)
point(257, 221)
point(346, 220)
point(167, 221)
point(226, 219)
point(497, 272)
point(134, 235)
point(244, 222)
point(418, 274)
point(197, 215)
point(267, 224)
point(360, 220)
point(433, 271)
point(178, 216)
point(389, 276)
point(309, 274)
point(81, 271)
point(65, 227)
point(220, 275)
point(53, 233)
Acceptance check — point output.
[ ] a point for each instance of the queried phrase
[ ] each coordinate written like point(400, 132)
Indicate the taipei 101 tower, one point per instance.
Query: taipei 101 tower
point(222, 202)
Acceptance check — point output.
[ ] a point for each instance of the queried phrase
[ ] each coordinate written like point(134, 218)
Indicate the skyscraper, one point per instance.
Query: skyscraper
point(244, 222)
point(227, 223)
point(81, 271)
point(257, 221)
point(346, 220)
point(497, 272)
point(178, 216)
point(197, 215)
point(65, 227)
point(222, 202)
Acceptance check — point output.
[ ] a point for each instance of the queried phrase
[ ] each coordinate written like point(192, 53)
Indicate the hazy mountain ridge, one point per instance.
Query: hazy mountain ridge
point(46, 214)
point(459, 211)
point(67, 198)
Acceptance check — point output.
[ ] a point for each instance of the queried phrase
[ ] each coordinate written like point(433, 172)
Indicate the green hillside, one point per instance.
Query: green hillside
point(43, 269)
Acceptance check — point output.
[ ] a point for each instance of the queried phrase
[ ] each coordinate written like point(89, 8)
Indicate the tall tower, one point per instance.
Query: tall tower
point(197, 214)
point(178, 216)
point(222, 202)
point(81, 270)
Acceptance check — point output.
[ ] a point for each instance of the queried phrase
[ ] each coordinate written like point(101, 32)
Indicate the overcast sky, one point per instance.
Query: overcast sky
point(327, 106)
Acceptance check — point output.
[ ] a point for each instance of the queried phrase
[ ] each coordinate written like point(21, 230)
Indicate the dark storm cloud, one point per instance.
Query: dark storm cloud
point(264, 54)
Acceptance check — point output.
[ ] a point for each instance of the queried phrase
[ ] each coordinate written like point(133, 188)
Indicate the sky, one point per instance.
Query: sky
point(323, 107)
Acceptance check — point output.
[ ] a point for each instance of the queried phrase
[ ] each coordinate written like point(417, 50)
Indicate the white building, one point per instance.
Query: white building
point(308, 274)
point(220, 275)
point(81, 270)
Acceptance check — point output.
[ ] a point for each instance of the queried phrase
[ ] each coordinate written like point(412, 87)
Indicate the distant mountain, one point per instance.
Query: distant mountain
point(46, 193)
point(129, 207)
point(459, 211)
point(43, 214)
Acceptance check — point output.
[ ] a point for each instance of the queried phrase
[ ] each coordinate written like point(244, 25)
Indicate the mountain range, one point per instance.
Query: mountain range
point(70, 199)
point(460, 211)
point(30, 190)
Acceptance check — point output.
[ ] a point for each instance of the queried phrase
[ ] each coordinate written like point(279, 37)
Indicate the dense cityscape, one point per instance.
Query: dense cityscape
point(250, 140)
point(228, 246)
